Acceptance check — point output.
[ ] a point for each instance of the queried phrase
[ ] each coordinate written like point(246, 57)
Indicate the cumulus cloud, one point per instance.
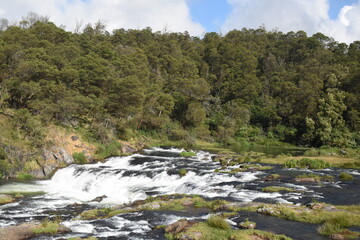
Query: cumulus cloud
point(172, 15)
point(311, 16)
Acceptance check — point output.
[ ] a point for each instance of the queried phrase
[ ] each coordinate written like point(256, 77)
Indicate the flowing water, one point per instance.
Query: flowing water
point(153, 172)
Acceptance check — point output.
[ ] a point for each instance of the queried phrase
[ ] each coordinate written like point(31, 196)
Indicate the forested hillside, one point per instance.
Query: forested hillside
point(248, 85)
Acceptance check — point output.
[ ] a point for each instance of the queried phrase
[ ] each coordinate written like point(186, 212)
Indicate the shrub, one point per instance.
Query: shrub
point(109, 150)
point(79, 158)
point(344, 176)
point(311, 153)
point(2, 153)
point(25, 176)
point(307, 163)
point(4, 168)
point(216, 221)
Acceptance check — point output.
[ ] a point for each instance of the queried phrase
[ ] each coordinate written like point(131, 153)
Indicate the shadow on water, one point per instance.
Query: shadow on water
point(292, 229)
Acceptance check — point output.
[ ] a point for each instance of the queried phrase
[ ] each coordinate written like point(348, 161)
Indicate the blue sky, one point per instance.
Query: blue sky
point(335, 18)
point(212, 13)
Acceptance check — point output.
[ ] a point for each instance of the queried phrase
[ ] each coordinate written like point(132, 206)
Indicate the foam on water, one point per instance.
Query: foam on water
point(123, 182)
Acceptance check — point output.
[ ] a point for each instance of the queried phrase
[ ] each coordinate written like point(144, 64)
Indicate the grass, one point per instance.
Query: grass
point(316, 177)
point(277, 189)
point(303, 214)
point(25, 176)
point(79, 158)
point(216, 221)
point(274, 176)
point(352, 165)
point(210, 232)
point(248, 167)
point(182, 172)
point(307, 163)
point(344, 176)
point(47, 227)
point(338, 225)
point(99, 213)
point(187, 154)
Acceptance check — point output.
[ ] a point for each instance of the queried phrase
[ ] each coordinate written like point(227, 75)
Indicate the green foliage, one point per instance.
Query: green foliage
point(182, 172)
point(217, 221)
point(311, 153)
point(5, 168)
point(25, 176)
point(344, 176)
point(277, 189)
point(47, 227)
point(307, 163)
point(130, 83)
point(109, 150)
point(2, 153)
point(4, 199)
point(79, 158)
point(187, 154)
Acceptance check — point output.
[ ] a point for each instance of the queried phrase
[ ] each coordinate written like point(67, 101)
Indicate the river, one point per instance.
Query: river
point(155, 171)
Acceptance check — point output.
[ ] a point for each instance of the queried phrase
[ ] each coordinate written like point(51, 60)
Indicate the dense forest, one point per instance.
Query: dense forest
point(250, 85)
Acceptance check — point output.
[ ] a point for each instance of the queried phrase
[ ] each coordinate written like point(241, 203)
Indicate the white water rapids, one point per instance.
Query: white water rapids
point(125, 179)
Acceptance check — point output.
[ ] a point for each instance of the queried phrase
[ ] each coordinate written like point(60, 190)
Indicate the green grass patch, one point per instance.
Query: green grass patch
point(25, 176)
point(277, 189)
point(99, 213)
point(316, 177)
point(109, 150)
point(307, 163)
point(352, 165)
point(47, 227)
point(79, 158)
point(187, 154)
point(210, 232)
point(216, 221)
point(344, 176)
point(182, 172)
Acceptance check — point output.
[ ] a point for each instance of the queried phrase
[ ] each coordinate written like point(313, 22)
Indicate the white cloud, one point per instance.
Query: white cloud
point(312, 16)
point(174, 15)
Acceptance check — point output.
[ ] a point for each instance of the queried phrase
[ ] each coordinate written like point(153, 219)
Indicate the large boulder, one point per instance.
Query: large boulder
point(19, 232)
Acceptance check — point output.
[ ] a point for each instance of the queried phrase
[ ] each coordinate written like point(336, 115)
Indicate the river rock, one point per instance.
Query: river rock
point(151, 205)
point(19, 232)
point(337, 236)
point(99, 198)
point(127, 149)
point(247, 225)
point(5, 199)
point(267, 210)
point(179, 226)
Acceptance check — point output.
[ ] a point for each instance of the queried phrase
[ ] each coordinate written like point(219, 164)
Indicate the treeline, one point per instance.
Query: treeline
point(248, 85)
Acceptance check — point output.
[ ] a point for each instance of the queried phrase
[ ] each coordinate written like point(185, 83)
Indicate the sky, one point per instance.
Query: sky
point(339, 19)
